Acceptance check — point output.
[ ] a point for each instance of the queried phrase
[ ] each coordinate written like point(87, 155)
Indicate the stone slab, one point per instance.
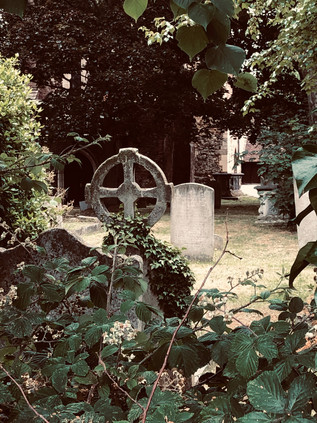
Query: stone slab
point(192, 220)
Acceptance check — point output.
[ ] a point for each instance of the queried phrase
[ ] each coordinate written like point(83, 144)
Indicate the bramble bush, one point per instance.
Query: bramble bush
point(68, 355)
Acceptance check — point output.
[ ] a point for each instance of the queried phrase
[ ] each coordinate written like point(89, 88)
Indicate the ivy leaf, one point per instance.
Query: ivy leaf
point(201, 13)
point(247, 82)
point(225, 6)
point(191, 39)
point(225, 58)
point(207, 81)
point(266, 393)
point(306, 255)
point(135, 8)
point(14, 6)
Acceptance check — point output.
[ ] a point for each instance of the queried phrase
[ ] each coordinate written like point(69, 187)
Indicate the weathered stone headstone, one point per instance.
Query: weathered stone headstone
point(129, 191)
point(192, 220)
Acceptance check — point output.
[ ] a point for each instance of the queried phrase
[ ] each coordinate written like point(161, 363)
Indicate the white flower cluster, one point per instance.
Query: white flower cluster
point(312, 333)
point(119, 332)
point(32, 384)
point(9, 297)
point(218, 303)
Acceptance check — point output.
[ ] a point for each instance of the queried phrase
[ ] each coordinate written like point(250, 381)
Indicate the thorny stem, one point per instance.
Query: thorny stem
point(117, 385)
point(23, 394)
point(114, 266)
point(179, 326)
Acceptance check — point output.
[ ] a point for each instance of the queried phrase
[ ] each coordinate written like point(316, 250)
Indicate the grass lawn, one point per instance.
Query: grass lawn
point(258, 246)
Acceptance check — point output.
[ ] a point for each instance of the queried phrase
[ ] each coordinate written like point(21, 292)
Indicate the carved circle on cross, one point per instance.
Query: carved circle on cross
point(129, 191)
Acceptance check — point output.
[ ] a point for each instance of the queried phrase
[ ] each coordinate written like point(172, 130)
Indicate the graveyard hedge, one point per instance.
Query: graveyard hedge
point(170, 277)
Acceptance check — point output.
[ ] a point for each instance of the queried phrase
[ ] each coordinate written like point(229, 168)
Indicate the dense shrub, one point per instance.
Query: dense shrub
point(24, 179)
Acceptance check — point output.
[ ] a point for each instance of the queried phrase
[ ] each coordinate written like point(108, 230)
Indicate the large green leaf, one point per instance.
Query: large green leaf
point(299, 393)
point(191, 39)
point(184, 4)
point(218, 30)
point(201, 13)
point(304, 164)
point(255, 417)
point(59, 378)
point(225, 6)
point(266, 346)
point(266, 393)
point(306, 255)
point(247, 82)
point(135, 8)
point(13, 6)
point(218, 325)
point(185, 357)
point(225, 58)
point(207, 81)
point(247, 363)
point(177, 10)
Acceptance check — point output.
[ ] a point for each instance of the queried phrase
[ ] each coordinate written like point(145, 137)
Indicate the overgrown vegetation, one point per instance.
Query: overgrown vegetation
point(170, 278)
point(67, 356)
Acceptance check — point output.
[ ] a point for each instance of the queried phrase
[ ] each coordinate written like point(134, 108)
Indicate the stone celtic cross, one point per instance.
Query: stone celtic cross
point(129, 191)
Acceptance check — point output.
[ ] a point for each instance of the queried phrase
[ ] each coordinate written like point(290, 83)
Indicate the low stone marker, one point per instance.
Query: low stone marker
point(192, 220)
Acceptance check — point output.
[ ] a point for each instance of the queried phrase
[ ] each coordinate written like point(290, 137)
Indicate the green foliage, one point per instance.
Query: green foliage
point(24, 182)
point(169, 276)
point(75, 360)
point(278, 138)
point(293, 49)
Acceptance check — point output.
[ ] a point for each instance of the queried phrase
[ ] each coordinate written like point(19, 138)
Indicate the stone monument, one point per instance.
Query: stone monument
point(192, 220)
point(129, 191)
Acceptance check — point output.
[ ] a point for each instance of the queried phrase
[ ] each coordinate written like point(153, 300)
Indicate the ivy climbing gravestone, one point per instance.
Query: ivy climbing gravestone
point(129, 191)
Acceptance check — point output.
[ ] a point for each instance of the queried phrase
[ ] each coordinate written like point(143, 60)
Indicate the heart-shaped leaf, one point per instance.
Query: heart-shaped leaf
point(207, 81)
point(135, 8)
point(225, 58)
point(201, 13)
point(191, 39)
